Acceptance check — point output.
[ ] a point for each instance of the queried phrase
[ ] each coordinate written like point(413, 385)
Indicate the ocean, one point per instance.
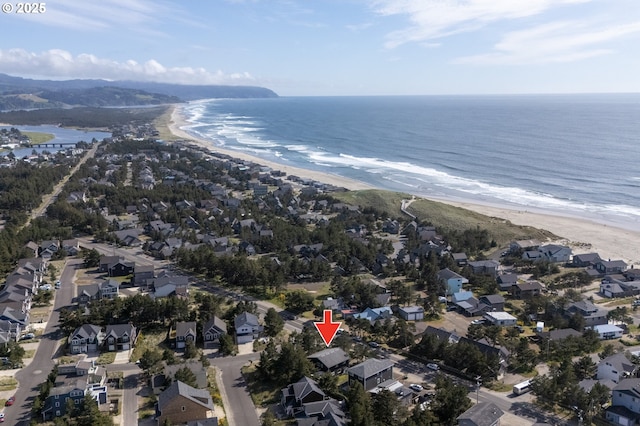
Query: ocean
point(573, 155)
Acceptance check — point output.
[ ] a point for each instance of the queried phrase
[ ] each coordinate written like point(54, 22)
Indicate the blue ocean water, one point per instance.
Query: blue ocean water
point(577, 155)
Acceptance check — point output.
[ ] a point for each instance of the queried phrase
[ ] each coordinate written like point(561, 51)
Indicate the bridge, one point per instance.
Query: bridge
point(53, 144)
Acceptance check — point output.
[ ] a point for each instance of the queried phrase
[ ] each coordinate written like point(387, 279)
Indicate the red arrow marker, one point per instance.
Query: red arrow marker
point(327, 328)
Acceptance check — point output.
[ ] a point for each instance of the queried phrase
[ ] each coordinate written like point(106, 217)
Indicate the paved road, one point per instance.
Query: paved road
point(57, 189)
point(238, 404)
point(31, 376)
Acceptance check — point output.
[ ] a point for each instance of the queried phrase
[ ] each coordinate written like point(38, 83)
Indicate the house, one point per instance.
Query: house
point(169, 285)
point(375, 314)
point(120, 337)
point(625, 403)
point(185, 331)
point(371, 372)
point(591, 313)
point(608, 331)
point(403, 394)
point(247, 327)
point(115, 266)
point(303, 391)
point(485, 267)
point(71, 247)
point(330, 359)
point(451, 281)
point(86, 339)
point(142, 273)
point(616, 367)
point(585, 260)
point(109, 289)
point(559, 334)
point(502, 319)
point(441, 334)
point(506, 281)
point(524, 245)
point(56, 403)
point(555, 253)
point(460, 259)
point(213, 330)
point(411, 313)
point(181, 403)
point(481, 414)
point(610, 267)
point(87, 294)
point(526, 290)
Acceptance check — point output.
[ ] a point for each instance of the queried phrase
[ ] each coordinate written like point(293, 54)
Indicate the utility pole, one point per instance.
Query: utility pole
point(478, 382)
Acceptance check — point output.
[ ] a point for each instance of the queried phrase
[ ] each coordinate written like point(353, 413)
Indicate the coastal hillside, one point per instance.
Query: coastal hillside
point(23, 93)
point(442, 216)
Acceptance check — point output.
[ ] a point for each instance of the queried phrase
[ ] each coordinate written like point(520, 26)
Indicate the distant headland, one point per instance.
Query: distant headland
point(24, 93)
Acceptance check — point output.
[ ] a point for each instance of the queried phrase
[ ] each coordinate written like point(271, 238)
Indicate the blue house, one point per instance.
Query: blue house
point(451, 281)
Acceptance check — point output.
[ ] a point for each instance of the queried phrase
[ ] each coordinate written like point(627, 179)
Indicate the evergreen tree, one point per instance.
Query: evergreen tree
point(359, 404)
point(273, 323)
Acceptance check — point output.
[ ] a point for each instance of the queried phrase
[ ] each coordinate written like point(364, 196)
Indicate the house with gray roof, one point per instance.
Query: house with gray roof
point(485, 267)
point(411, 313)
point(452, 282)
point(625, 403)
point(371, 372)
point(303, 391)
point(184, 331)
point(247, 327)
point(120, 337)
point(213, 330)
point(616, 367)
point(330, 359)
point(481, 414)
point(86, 339)
point(591, 313)
point(181, 403)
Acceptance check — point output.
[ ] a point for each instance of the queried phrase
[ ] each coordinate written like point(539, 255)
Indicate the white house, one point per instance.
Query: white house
point(608, 331)
point(502, 319)
point(247, 327)
point(615, 368)
point(625, 403)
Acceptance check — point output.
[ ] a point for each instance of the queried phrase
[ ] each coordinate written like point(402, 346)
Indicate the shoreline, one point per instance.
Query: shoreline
point(584, 235)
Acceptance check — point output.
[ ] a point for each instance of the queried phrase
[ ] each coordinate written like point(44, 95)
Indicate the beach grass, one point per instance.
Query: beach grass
point(38, 137)
point(162, 126)
point(441, 215)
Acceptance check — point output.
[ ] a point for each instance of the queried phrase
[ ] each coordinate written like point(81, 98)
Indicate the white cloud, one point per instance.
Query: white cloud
point(61, 64)
point(143, 16)
point(432, 19)
point(554, 42)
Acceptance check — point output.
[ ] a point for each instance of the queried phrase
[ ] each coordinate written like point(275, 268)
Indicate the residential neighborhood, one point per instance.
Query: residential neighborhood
point(180, 269)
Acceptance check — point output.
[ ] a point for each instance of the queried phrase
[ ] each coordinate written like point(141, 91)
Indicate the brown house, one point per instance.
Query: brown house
point(526, 290)
point(180, 403)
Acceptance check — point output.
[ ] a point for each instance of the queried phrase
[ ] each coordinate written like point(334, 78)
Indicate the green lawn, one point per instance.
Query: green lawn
point(38, 137)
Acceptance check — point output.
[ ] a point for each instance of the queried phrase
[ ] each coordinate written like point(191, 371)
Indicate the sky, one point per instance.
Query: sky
point(334, 47)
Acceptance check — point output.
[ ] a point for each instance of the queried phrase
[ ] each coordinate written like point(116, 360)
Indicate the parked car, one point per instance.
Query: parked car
point(636, 302)
point(10, 401)
point(1, 417)
point(416, 387)
point(433, 366)
point(477, 322)
point(27, 336)
point(374, 344)
point(45, 287)
point(58, 284)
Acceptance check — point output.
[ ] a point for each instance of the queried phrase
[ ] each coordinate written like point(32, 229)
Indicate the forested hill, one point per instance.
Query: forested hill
point(23, 93)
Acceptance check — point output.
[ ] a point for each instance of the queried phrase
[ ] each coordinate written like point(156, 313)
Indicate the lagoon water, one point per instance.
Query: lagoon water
point(61, 135)
point(577, 155)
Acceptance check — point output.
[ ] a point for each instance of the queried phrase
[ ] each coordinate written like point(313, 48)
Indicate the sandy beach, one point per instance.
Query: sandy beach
point(583, 235)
